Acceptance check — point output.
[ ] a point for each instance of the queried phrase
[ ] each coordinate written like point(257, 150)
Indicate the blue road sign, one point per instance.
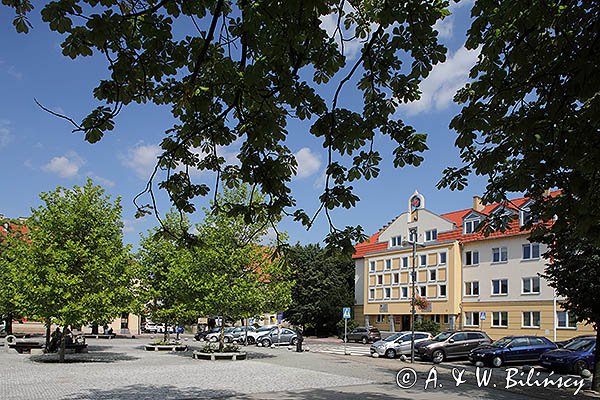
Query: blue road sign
point(482, 316)
point(279, 316)
point(346, 312)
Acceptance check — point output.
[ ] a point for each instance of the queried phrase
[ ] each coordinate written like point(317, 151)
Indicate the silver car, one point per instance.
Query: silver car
point(398, 343)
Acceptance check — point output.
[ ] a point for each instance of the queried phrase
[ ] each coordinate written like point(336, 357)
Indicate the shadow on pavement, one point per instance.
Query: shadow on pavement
point(94, 357)
point(154, 392)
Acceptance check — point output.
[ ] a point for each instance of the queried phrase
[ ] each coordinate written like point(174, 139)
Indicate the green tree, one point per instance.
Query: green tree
point(235, 72)
point(163, 277)
point(324, 285)
point(530, 122)
point(75, 271)
point(236, 276)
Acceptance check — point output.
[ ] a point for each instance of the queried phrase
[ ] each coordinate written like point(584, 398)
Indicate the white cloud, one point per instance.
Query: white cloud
point(439, 88)
point(308, 162)
point(66, 166)
point(142, 159)
point(98, 179)
point(5, 133)
point(130, 225)
point(445, 27)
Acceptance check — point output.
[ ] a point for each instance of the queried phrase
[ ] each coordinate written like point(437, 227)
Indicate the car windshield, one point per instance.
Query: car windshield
point(264, 329)
point(580, 345)
point(442, 336)
point(502, 342)
point(393, 337)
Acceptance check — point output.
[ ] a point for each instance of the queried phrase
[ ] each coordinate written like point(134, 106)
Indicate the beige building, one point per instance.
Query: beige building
point(471, 281)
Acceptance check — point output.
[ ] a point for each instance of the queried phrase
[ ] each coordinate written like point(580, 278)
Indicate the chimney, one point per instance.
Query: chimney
point(477, 204)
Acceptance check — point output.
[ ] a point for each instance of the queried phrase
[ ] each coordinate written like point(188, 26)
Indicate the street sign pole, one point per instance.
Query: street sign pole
point(345, 334)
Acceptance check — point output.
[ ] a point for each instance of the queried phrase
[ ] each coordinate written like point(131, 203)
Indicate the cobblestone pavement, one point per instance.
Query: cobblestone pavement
point(121, 369)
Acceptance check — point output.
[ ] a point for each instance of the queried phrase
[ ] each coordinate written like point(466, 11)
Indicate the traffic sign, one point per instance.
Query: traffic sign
point(346, 312)
point(482, 316)
point(279, 317)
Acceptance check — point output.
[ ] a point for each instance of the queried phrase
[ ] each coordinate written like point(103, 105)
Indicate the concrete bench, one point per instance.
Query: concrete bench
point(98, 336)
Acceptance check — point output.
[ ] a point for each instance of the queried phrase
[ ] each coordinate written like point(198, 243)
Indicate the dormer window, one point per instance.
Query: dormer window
point(396, 241)
point(470, 226)
point(431, 235)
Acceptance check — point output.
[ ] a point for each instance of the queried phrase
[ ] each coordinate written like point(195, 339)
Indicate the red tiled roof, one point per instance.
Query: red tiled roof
point(456, 217)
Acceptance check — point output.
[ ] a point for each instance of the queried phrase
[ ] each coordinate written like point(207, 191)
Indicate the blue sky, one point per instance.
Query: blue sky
point(39, 151)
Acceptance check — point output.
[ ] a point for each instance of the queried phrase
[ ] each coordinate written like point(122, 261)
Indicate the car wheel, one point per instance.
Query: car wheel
point(365, 340)
point(266, 343)
point(214, 339)
point(579, 366)
point(250, 340)
point(227, 339)
point(390, 353)
point(497, 362)
point(438, 356)
point(294, 341)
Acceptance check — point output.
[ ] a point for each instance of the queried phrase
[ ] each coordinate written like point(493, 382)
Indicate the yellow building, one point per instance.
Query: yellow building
point(470, 281)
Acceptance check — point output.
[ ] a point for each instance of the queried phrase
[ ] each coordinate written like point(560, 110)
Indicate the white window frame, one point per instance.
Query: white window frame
point(379, 278)
point(501, 320)
point(429, 272)
point(500, 280)
point(421, 288)
point(471, 285)
point(396, 278)
point(530, 246)
point(372, 266)
point(439, 291)
point(387, 293)
point(470, 225)
point(440, 258)
point(530, 279)
point(402, 288)
point(371, 293)
point(531, 319)
point(396, 241)
point(387, 266)
point(568, 325)
point(404, 265)
point(472, 315)
point(500, 251)
point(421, 264)
point(473, 263)
point(431, 235)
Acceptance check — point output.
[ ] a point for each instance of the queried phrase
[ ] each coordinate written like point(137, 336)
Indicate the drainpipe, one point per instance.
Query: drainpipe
point(554, 315)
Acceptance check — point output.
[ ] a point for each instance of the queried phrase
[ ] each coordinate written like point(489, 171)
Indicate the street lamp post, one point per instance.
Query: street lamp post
point(413, 311)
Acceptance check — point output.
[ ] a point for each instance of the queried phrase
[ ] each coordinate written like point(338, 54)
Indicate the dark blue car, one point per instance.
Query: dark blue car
point(511, 349)
point(574, 357)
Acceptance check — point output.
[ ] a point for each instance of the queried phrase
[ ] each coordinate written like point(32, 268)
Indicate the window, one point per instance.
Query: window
point(531, 285)
point(526, 217)
point(499, 287)
point(423, 291)
point(472, 288)
point(404, 292)
point(442, 258)
point(396, 241)
point(380, 319)
point(471, 257)
point(395, 278)
point(404, 262)
point(388, 265)
point(566, 320)
point(499, 319)
point(499, 254)
point(371, 294)
point(431, 235)
point(372, 266)
point(412, 277)
point(531, 319)
point(460, 337)
point(380, 279)
point(423, 260)
point(442, 291)
point(471, 226)
point(471, 319)
point(387, 293)
point(531, 251)
point(432, 275)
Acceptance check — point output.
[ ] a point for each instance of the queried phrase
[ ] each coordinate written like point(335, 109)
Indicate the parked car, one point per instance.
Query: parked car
point(364, 335)
point(511, 349)
point(239, 333)
point(150, 327)
point(563, 343)
point(202, 334)
point(451, 344)
point(398, 343)
point(214, 336)
point(574, 357)
point(263, 330)
point(278, 337)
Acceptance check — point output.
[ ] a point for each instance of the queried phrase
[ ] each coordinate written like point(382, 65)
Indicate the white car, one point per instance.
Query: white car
point(214, 336)
point(397, 344)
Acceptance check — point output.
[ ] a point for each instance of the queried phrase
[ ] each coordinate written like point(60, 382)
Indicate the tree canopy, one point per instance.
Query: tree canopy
point(235, 73)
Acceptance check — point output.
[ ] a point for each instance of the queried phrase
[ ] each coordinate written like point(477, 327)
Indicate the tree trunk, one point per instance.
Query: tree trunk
point(63, 343)
point(48, 326)
point(166, 333)
point(94, 329)
point(596, 366)
point(222, 336)
point(8, 324)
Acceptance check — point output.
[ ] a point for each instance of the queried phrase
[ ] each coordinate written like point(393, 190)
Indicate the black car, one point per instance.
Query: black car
point(511, 349)
point(561, 344)
point(202, 334)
